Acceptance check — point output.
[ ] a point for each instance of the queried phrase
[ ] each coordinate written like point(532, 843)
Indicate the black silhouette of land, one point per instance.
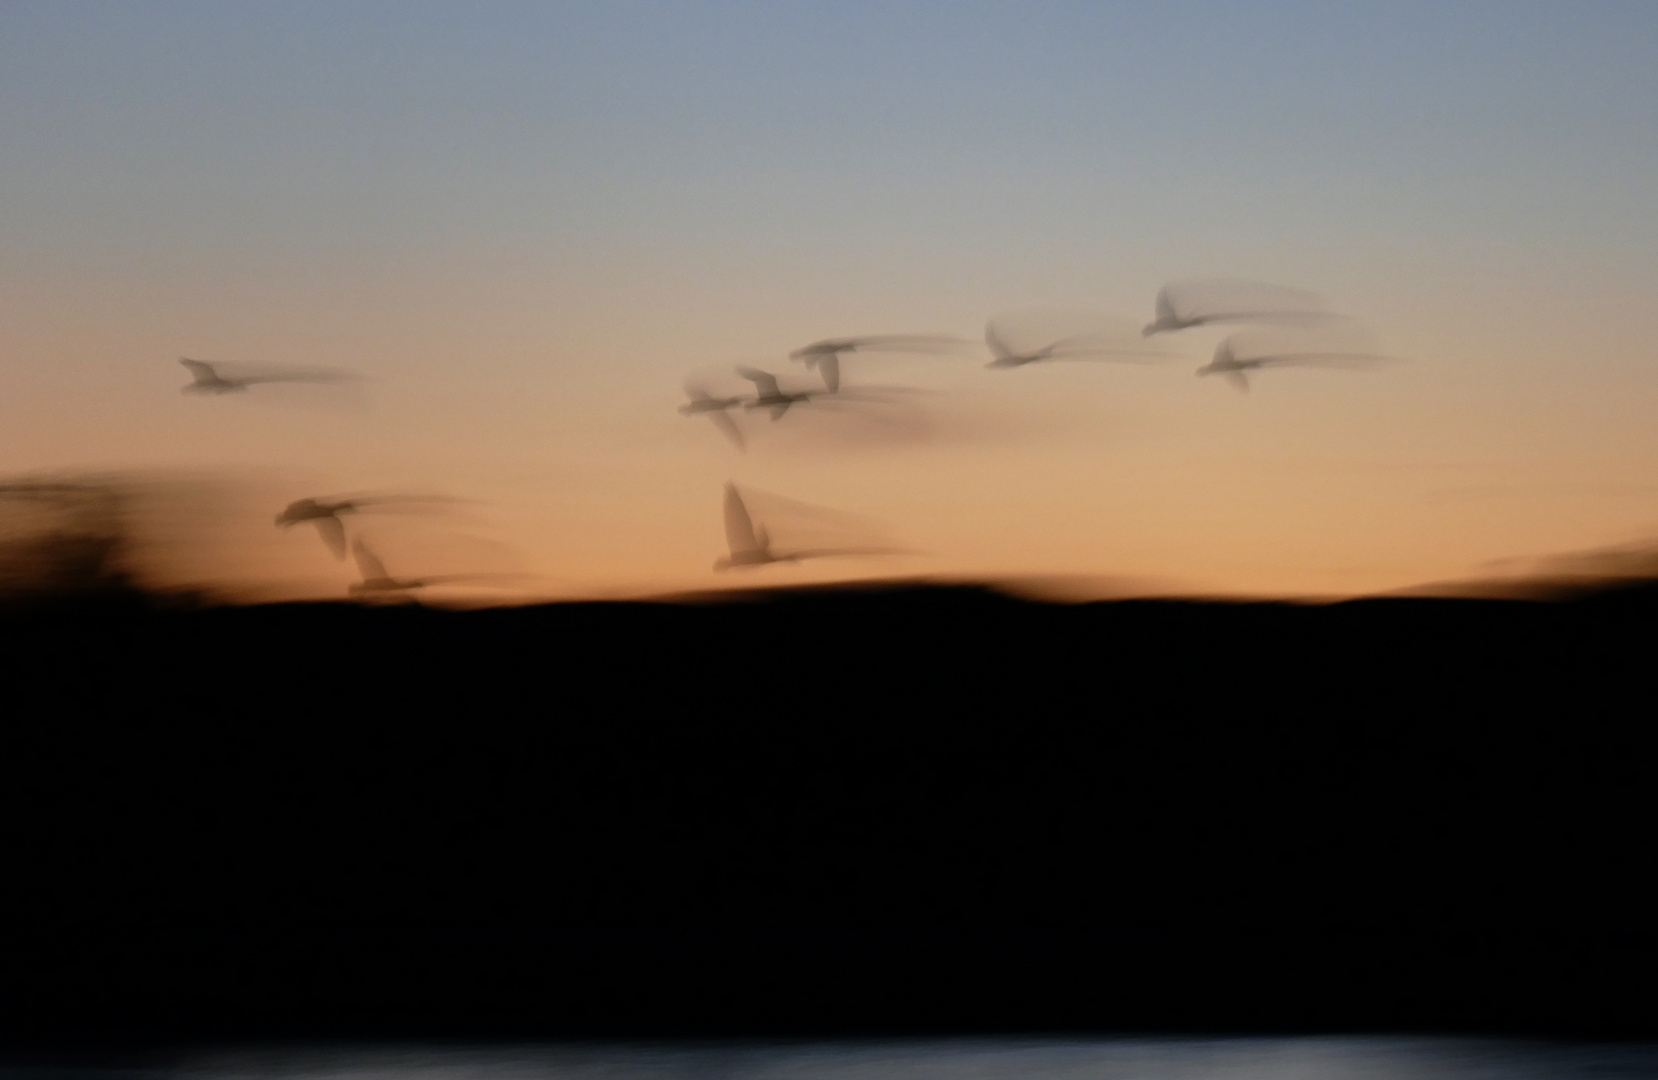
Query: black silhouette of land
point(832, 812)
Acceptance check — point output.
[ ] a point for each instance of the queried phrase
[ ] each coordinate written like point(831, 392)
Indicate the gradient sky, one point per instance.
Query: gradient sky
point(527, 223)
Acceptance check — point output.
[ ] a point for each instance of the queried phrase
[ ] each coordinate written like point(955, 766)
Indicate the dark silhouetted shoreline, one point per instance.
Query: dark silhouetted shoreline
point(827, 812)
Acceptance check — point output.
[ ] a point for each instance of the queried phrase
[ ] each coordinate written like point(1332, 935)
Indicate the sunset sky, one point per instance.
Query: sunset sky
point(527, 223)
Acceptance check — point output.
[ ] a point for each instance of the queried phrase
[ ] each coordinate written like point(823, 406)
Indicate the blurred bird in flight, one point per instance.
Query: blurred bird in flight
point(1235, 370)
point(1074, 347)
point(768, 395)
point(703, 403)
point(750, 545)
point(325, 514)
point(825, 355)
point(210, 380)
point(377, 582)
point(1181, 305)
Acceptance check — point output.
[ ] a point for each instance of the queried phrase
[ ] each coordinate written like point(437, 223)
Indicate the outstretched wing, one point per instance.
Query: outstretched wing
point(332, 531)
point(367, 562)
point(723, 421)
point(1165, 307)
point(739, 527)
point(998, 348)
point(202, 373)
point(812, 353)
point(764, 381)
point(829, 366)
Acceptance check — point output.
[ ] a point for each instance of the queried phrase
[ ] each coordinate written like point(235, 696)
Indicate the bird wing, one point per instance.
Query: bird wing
point(1223, 353)
point(764, 381)
point(739, 527)
point(370, 565)
point(810, 353)
point(332, 531)
point(723, 421)
point(998, 348)
point(1165, 307)
point(829, 366)
point(202, 373)
point(1237, 379)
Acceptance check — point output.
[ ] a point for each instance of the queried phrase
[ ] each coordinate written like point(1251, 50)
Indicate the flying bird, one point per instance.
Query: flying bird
point(825, 355)
point(325, 516)
point(326, 513)
point(768, 395)
point(1199, 303)
point(377, 582)
point(1236, 371)
point(209, 379)
point(1078, 347)
point(716, 409)
point(750, 545)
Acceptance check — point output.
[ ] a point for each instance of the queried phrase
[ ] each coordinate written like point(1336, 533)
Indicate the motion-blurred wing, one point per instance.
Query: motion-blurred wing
point(829, 366)
point(1237, 379)
point(723, 421)
point(998, 348)
point(815, 351)
point(1165, 308)
point(739, 528)
point(332, 532)
point(764, 381)
point(370, 565)
point(202, 373)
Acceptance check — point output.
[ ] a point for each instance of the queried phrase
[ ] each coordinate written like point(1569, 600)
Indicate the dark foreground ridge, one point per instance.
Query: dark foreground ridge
point(854, 812)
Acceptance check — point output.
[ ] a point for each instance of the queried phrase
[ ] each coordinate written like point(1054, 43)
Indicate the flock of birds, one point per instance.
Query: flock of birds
point(1179, 306)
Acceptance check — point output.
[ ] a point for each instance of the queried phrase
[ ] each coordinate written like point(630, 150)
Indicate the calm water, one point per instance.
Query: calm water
point(1102, 1059)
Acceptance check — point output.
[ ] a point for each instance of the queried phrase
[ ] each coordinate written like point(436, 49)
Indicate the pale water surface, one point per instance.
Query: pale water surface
point(1323, 1058)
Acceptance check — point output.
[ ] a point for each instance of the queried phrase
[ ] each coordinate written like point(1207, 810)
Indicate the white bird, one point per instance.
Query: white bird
point(751, 546)
point(208, 379)
point(1183, 305)
point(325, 516)
point(377, 582)
point(825, 355)
point(768, 395)
point(326, 513)
point(1235, 370)
point(703, 403)
point(1077, 347)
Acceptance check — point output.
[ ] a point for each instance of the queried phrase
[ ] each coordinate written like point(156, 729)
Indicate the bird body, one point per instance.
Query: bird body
point(749, 544)
point(1235, 370)
point(1006, 356)
point(326, 514)
point(716, 409)
point(208, 379)
point(768, 395)
point(377, 582)
point(1180, 307)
